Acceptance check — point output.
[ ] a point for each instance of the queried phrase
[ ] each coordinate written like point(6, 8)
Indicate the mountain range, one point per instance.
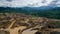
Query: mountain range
point(29, 8)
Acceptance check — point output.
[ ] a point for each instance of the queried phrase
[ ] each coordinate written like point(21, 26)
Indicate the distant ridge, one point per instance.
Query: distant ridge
point(29, 8)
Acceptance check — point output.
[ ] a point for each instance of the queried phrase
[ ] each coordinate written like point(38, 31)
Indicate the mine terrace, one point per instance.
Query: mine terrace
point(20, 22)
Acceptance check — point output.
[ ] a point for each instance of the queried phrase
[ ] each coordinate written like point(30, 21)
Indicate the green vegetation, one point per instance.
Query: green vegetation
point(53, 13)
point(56, 24)
point(55, 33)
point(48, 14)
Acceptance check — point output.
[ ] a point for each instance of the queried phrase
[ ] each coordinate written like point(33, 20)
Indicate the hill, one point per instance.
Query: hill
point(50, 13)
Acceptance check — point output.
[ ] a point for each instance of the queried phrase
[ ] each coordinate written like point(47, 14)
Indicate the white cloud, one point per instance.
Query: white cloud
point(58, 3)
point(30, 3)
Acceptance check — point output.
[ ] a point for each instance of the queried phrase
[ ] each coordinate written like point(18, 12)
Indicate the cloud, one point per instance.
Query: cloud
point(58, 3)
point(9, 0)
point(29, 3)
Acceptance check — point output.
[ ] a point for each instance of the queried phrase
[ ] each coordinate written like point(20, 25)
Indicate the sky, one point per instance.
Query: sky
point(29, 3)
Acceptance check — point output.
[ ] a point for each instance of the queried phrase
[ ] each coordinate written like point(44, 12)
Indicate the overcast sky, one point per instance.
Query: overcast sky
point(29, 3)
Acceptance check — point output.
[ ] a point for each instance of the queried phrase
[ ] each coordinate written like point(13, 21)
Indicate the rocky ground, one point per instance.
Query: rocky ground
point(14, 22)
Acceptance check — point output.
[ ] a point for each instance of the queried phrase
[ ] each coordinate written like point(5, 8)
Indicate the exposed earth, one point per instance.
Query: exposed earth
point(16, 23)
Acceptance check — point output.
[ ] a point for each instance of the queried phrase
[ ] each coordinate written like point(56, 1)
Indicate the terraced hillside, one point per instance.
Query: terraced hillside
point(16, 23)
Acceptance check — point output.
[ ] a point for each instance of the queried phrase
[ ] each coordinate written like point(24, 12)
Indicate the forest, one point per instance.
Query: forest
point(50, 13)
